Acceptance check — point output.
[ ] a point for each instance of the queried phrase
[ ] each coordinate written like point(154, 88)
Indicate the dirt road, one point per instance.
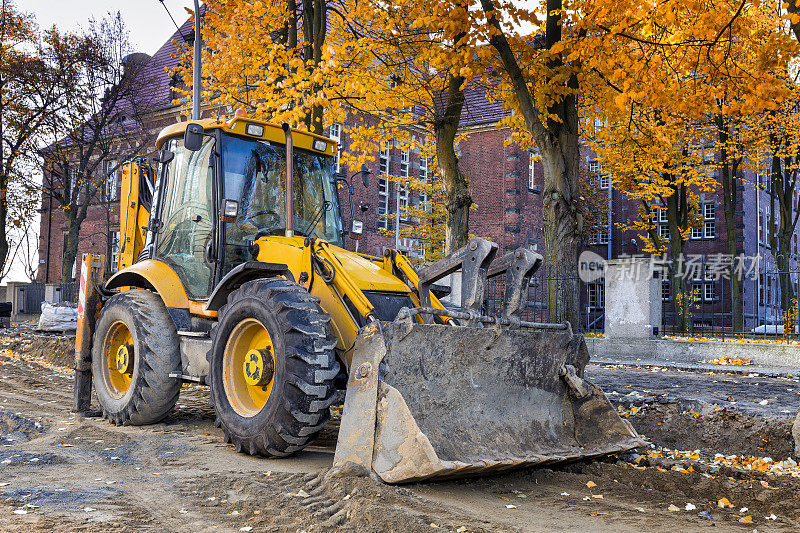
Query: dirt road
point(65, 473)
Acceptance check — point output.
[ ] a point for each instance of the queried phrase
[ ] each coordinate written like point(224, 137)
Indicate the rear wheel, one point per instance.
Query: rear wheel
point(272, 366)
point(135, 348)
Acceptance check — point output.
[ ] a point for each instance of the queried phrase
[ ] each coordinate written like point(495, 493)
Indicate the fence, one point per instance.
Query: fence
point(565, 282)
point(705, 309)
point(31, 295)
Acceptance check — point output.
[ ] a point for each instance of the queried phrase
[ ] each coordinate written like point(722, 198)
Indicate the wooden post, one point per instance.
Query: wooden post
point(92, 268)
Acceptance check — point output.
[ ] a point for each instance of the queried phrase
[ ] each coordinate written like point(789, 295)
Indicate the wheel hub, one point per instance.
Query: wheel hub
point(258, 367)
point(125, 359)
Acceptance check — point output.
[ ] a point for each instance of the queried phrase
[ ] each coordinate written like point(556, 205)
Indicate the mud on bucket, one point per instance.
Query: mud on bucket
point(429, 400)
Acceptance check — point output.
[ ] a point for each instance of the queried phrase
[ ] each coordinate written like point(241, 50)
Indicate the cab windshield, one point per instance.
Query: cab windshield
point(255, 177)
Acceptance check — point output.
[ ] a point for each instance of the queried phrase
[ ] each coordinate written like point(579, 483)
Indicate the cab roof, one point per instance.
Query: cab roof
point(237, 125)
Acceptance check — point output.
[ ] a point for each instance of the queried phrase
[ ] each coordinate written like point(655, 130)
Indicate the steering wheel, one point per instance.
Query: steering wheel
point(275, 219)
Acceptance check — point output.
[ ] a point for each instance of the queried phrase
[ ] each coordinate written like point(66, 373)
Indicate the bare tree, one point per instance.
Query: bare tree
point(103, 126)
point(35, 69)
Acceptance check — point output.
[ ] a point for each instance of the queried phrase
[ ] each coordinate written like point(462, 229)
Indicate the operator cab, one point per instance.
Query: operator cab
point(219, 189)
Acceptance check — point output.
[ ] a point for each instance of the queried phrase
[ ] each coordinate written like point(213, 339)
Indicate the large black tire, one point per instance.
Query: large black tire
point(156, 352)
point(305, 366)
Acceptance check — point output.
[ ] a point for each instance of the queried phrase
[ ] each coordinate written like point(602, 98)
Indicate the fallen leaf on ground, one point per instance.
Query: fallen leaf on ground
point(462, 529)
point(771, 517)
point(723, 503)
point(597, 496)
point(510, 506)
point(672, 507)
point(591, 484)
point(746, 520)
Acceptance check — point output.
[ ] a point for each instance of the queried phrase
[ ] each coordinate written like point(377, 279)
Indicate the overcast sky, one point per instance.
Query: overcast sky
point(147, 21)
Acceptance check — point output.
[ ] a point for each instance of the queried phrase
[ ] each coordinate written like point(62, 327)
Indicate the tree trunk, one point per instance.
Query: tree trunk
point(782, 261)
point(729, 199)
point(557, 141)
point(561, 221)
point(677, 218)
point(3, 221)
point(70, 251)
point(456, 187)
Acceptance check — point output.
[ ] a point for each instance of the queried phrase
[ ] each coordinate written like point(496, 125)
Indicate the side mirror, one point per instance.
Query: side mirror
point(193, 137)
point(365, 172)
point(166, 156)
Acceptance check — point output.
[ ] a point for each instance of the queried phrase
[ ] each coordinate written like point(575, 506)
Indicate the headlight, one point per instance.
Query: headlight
point(320, 145)
point(255, 130)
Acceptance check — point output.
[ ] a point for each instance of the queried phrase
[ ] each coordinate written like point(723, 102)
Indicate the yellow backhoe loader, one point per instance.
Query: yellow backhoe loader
point(232, 273)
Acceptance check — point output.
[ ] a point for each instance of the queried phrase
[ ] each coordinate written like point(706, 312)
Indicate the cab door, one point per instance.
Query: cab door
point(186, 223)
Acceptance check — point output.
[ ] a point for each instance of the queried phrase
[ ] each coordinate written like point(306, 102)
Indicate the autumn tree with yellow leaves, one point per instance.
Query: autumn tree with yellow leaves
point(312, 63)
point(671, 116)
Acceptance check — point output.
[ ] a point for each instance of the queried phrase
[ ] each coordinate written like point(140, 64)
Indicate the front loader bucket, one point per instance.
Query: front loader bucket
point(429, 400)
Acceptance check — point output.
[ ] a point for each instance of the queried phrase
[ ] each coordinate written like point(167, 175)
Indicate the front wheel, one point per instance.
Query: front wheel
point(272, 367)
point(135, 348)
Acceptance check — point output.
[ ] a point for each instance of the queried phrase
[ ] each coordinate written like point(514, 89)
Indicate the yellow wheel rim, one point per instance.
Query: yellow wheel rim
point(118, 370)
point(248, 363)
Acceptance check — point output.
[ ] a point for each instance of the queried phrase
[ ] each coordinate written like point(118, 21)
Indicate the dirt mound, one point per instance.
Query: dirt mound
point(294, 502)
point(713, 431)
point(56, 349)
point(760, 493)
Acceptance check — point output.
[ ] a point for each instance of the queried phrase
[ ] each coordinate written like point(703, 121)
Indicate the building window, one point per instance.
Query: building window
point(665, 290)
point(769, 291)
point(402, 192)
point(597, 296)
point(697, 291)
point(336, 135)
point(794, 244)
point(761, 289)
point(383, 203)
point(601, 236)
point(112, 180)
point(76, 185)
point(384, 159)
point(114, 252)
point(404, 163)
point(708, 291)
point(605, 181)
point(423, 168)
point(760, 226)
point(663, 231)
point(709, 227)
point(532, 170)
